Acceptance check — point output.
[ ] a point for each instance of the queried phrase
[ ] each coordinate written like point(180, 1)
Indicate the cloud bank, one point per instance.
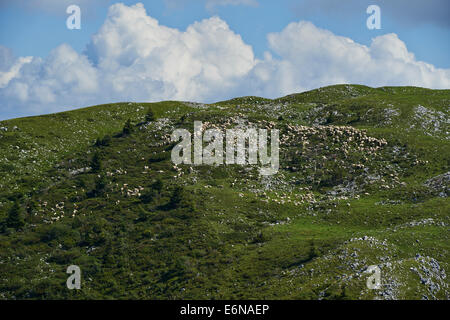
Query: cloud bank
point(134, 58)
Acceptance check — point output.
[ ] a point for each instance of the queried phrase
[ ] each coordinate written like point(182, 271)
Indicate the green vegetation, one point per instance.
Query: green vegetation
point(363, 181)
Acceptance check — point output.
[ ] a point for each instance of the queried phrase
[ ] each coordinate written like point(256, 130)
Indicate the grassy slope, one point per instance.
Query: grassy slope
point(307, 232)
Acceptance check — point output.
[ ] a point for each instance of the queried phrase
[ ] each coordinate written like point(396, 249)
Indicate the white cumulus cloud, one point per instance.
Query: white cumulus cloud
point(134, 58)
point(311, 57)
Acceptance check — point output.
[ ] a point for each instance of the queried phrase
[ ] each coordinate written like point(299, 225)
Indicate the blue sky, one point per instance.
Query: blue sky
point(37, 29)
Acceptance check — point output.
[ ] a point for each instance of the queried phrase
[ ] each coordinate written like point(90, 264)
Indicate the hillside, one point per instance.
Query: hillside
point(364, 180)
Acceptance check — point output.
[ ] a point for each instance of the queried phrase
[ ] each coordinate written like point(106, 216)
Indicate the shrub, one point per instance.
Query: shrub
point(56, 232)
point(181, 199)
point(106, 141)
point(312, 253)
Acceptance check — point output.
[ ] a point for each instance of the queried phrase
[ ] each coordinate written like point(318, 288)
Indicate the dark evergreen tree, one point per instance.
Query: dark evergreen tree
point(31, 208)
point(127, 128)
point(177, 197)
point(148, 196)
point(96, 163)
point(106, 141)
point(150, 116)
point(312, 251)
point(180, 199)
point(142, 213)
point(158, 185)
point(103, 142)
point(15, 216)
point(100, 185)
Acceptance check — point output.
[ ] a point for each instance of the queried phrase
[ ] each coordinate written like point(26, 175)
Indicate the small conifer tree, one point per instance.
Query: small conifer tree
point(15, 216)
point(127, 128)
point(96, 163)
point(150, 116)
point(158, 185)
